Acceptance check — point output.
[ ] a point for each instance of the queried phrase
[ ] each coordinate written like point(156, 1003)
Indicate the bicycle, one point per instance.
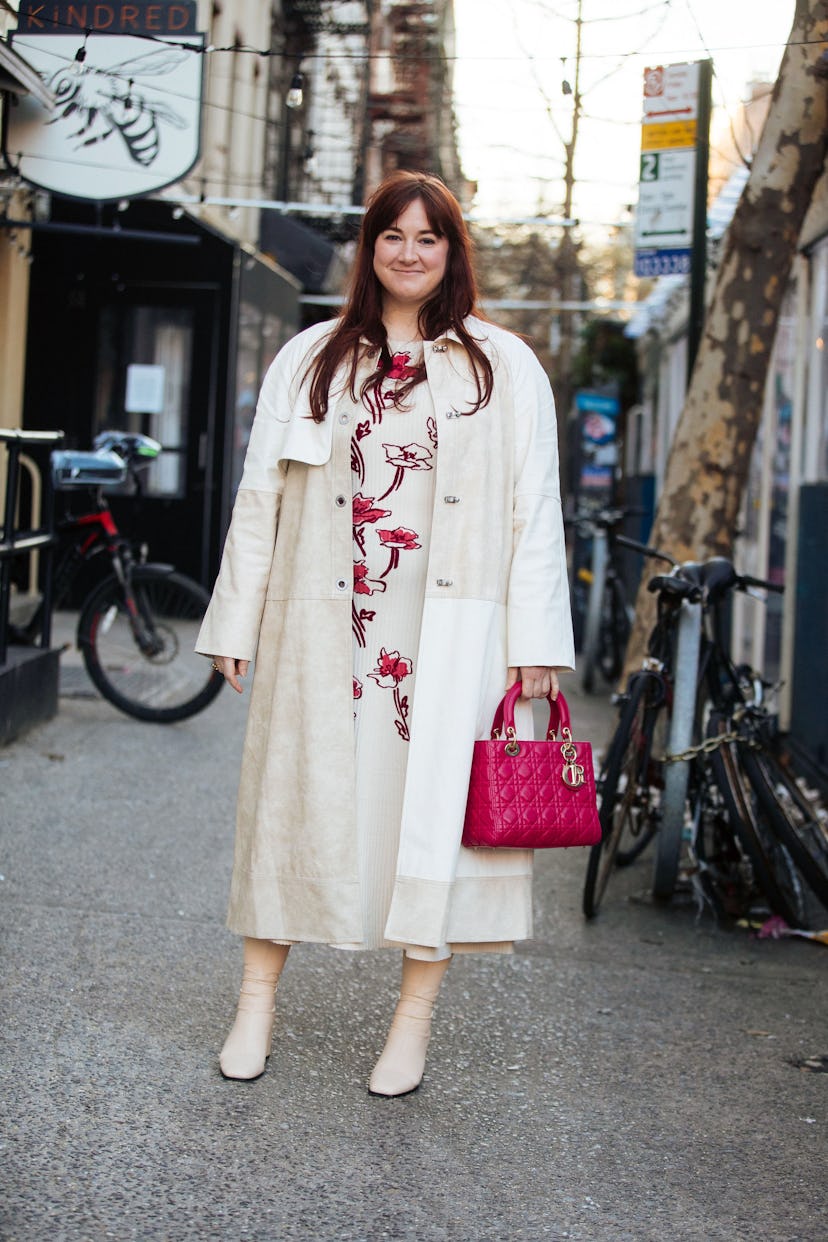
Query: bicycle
point(137, 627)
point(759, 784)
point(608, 614)
point(694, 796)
point(731, 851)
point(631, 771)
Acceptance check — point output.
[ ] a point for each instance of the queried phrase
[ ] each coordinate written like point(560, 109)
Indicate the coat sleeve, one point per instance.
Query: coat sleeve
point(539, 619)
point(231, 623)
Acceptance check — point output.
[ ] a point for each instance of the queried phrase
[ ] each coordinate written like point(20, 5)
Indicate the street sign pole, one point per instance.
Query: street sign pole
point(698, 260)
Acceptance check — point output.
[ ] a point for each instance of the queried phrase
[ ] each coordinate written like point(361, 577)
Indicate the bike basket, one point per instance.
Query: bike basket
point(84, 469)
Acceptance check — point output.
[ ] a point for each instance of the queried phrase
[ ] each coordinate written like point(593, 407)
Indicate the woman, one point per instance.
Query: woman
point(396, 560)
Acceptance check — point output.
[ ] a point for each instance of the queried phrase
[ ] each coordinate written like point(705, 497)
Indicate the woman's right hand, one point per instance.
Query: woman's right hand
point(231, 670)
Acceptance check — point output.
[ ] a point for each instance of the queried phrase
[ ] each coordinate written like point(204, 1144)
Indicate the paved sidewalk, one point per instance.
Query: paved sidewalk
point(632, 1079)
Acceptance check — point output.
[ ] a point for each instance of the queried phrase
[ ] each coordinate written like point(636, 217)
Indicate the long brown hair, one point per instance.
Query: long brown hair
point(361, 317)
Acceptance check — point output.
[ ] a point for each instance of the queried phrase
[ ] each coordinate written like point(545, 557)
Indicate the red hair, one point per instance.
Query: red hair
point(361, 317)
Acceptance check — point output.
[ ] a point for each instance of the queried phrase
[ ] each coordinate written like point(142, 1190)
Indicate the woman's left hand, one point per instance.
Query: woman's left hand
point(538, 681)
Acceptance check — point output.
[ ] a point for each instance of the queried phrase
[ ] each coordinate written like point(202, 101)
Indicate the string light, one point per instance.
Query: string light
point(295, 95)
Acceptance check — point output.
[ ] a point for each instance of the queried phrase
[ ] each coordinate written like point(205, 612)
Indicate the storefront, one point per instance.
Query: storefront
point(149, 320)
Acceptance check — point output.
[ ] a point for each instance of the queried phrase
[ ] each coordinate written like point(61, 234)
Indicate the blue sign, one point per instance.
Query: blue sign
point(662, 262)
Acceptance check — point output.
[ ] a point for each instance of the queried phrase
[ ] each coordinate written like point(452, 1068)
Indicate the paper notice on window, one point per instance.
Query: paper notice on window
point(144, 389)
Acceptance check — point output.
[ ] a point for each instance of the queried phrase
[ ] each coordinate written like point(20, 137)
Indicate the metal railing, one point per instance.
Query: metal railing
point(39, 535)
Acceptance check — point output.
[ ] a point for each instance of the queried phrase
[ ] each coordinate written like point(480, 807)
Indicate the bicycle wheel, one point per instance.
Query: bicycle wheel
point(615, 632)
point(718, 863)
point(159, 677)
point(773, 869)
point(629, 784)
point(795, 814)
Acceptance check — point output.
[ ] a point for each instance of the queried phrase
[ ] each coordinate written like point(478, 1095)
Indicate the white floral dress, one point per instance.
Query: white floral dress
point(393, 458)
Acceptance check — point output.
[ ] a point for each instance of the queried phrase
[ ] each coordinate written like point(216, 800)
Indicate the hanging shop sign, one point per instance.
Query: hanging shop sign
point(669, 136)
point(598, 424)
point(127, 80)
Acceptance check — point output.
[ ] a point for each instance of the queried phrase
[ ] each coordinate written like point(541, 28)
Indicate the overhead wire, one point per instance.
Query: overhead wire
point(745, 159)
point(363, 55)
point(367, 55)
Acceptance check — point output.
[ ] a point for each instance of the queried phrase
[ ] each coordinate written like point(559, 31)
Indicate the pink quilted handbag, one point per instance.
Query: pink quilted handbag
point(531, 795)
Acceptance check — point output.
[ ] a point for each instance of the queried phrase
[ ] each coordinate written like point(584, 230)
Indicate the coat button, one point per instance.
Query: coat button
point(344, 418)
point(341, 584)
point(341, 500)
point(452, 414)
point(440, 349)
point(451, 500)
point(445, 581)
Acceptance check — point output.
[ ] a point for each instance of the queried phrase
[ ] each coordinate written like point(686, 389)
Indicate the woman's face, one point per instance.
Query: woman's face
point(410, 259)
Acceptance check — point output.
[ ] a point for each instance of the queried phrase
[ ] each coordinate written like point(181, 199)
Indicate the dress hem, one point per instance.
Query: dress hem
point(420, 952)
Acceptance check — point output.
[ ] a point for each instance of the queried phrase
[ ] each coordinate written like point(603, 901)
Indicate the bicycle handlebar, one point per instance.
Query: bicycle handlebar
point(645, 549)
point(706, 581)
point(746, 580)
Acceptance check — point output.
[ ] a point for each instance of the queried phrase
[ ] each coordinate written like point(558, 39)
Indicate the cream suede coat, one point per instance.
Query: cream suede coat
point(497, 595)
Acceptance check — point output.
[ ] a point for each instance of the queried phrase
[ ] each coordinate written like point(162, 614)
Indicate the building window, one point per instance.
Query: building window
point(143, 385)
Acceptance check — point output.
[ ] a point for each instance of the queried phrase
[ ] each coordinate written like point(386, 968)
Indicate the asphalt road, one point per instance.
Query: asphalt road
point(636, 1078)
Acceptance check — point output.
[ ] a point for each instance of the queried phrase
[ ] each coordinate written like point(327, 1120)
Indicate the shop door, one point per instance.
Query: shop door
point(155, 374)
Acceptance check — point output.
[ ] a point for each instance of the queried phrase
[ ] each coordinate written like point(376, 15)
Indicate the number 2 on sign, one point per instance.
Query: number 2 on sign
point(649, 166)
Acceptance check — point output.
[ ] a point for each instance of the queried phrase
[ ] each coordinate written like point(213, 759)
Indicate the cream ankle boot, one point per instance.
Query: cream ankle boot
point(247, 1047)
point(400, 1068)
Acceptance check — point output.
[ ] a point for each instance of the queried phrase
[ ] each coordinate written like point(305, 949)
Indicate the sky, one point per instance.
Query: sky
point(513, 55)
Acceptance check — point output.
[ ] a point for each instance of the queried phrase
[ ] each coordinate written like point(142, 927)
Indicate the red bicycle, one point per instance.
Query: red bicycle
point(137, 627)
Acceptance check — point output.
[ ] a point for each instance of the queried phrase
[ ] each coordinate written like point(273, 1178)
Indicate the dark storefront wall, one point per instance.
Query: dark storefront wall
point(143, 336)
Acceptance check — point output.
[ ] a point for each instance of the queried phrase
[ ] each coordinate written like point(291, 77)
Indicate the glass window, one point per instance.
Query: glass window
point(143, 384)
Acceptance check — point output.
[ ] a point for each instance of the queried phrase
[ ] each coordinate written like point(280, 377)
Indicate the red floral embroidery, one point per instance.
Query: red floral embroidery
point(432, 430)
point(398, 540)
point(408, 456)
point(357, 462)
point(392, 668)
point(363, 585)
point(406, 540)
point(359, 616)
point(400, 368)
point(357, 688)
point(405, 457)
point(364, 511)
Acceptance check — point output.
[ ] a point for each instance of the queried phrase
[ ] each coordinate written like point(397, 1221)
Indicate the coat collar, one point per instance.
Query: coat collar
point(449, 336)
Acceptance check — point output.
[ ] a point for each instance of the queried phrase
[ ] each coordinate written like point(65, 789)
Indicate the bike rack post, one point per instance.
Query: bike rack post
point(29, 676)
point(592, 633)
point(677, 772)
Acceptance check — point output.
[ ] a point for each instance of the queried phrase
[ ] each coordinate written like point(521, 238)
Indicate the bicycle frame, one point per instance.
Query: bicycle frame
point(87, 536)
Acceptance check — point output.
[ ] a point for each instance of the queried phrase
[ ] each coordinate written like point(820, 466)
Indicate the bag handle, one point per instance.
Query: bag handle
point(504, 717)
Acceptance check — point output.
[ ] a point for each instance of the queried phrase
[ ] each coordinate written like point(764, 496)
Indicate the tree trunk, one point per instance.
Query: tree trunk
point(710, 455)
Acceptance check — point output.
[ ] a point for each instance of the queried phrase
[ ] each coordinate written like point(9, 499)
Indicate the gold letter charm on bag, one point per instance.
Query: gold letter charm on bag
point(573, 773)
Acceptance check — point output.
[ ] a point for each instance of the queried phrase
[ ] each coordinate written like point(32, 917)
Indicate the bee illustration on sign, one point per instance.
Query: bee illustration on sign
point(105, 101)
